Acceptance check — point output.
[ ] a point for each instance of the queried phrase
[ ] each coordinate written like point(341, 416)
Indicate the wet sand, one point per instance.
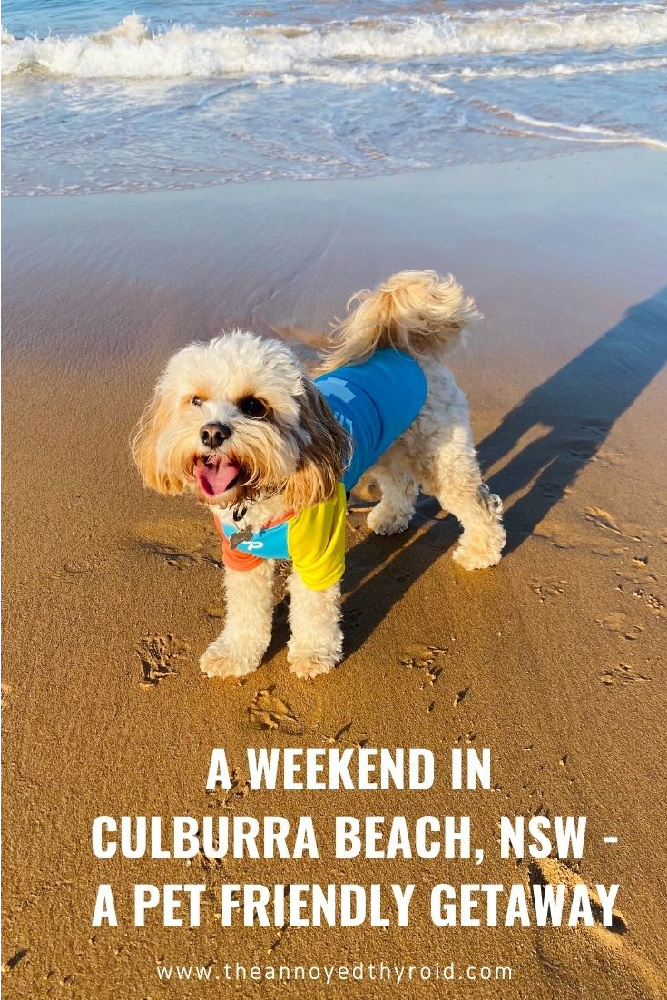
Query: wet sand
point(551, 659)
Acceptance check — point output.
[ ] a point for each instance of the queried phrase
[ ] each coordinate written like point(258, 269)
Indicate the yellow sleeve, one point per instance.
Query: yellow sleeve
point(316, 542)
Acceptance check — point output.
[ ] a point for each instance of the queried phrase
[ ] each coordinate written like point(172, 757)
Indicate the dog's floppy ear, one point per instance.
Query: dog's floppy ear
point(324, 453)
point(152, 460)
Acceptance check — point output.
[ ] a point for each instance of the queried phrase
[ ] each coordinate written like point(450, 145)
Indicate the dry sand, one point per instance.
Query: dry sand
point(551, 659)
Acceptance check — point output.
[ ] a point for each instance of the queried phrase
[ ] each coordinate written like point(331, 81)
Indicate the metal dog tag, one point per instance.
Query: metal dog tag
point(245, 535)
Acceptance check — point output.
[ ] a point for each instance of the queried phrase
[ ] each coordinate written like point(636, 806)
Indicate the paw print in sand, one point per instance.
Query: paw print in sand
point(159, 655)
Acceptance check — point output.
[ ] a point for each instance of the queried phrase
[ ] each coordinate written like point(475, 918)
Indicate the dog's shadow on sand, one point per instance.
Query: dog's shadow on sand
point(567, 418)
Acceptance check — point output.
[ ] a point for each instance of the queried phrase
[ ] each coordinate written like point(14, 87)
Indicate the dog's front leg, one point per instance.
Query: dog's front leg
point(316, 642)
point(239, 648)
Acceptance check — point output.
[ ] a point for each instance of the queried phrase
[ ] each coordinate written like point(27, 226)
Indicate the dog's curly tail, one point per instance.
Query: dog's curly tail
point(415, 311)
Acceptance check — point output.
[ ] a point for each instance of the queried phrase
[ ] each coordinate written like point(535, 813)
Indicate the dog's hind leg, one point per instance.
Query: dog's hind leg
point(455, 480)
point(239, 648)
point(399, 493)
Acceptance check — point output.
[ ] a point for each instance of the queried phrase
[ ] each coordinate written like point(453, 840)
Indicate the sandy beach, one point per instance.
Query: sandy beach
point(552, 659)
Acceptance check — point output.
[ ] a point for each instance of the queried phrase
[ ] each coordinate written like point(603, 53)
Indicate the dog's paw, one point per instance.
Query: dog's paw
point(222, 660)
point(479, 551)
point(385, 521)
point(307, 667)
point(470, 559)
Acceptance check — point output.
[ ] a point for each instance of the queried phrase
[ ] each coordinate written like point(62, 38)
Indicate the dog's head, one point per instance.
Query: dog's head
point(235, 420)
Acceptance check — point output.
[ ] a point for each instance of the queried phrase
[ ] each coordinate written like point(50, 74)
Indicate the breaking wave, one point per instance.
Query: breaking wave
point(132, 51)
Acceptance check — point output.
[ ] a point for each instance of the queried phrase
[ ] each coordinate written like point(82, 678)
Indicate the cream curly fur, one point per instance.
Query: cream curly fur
point(295, 454)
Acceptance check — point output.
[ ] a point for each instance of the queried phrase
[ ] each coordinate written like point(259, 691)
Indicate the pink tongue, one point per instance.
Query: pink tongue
point(214, 478)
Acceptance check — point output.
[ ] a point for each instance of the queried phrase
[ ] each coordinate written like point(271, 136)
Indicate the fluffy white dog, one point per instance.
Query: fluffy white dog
point(273, 453)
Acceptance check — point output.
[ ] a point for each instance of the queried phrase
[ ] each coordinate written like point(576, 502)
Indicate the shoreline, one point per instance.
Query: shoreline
point(112, 593)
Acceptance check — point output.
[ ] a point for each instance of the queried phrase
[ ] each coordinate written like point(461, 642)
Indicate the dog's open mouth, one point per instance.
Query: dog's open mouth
point(216, 474)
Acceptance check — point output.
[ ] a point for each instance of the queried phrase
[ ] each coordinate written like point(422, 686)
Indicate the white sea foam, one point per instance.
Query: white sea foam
point(575, 133)
point(430, 81)
point(131, 51)
point(608, 67)
point(364, 76)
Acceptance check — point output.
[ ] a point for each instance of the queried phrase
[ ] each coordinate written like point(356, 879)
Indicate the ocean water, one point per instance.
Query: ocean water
point(106, 96)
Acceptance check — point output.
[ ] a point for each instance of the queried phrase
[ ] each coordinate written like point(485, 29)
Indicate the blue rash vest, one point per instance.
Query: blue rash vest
point(375, 402)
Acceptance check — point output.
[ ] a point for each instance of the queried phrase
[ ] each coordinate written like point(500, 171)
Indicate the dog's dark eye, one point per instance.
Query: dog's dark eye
point(253, 407)
point(196, 400)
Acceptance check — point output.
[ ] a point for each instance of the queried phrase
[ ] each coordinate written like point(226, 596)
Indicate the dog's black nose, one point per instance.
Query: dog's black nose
point(212, 435)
